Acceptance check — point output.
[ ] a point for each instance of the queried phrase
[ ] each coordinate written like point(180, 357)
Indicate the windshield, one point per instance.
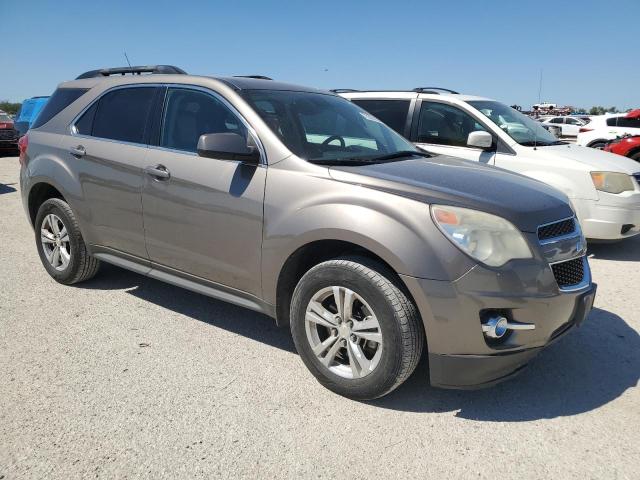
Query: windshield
point(326, 128)
point(518, 126)
point(5, 118)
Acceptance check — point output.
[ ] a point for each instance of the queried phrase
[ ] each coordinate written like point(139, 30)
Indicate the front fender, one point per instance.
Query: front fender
point(399, 230)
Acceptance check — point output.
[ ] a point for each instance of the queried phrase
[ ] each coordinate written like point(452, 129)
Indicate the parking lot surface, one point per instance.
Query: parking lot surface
point(127, 377)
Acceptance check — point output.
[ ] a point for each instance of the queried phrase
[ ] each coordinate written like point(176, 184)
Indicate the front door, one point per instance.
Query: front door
point(444, 129)
point(203, 217)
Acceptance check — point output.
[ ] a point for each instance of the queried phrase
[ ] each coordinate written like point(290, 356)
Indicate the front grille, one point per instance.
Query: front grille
point(557, 229)
point(569, 273)
point(8, 134)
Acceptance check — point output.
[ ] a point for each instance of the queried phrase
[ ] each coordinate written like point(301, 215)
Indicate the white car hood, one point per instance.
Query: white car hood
point(596, 160)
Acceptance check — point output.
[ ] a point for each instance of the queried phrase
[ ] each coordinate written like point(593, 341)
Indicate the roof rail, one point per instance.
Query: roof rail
point(258, 77)
point(343, 90)
point(435, 90)
point(106, 72)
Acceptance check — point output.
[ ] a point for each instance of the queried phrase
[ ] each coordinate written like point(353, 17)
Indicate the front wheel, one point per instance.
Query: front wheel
point(354, 329)
point(635, 156)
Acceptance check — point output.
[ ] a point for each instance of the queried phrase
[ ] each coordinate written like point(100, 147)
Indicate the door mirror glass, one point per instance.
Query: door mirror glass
point(480, 139)
point(227, 146)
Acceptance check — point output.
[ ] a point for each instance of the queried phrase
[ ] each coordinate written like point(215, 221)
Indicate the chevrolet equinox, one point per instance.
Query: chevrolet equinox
point(296, 203)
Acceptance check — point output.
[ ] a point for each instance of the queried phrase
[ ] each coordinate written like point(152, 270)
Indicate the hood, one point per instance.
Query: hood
point(595, 160)
point(444, 180)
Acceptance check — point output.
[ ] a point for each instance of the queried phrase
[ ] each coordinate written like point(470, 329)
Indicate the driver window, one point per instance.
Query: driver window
point(191, 113)
point(442, 124)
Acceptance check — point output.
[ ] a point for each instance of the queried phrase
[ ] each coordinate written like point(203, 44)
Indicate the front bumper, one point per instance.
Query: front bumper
point(459, 354)
point(477, 371)
point(612, 217)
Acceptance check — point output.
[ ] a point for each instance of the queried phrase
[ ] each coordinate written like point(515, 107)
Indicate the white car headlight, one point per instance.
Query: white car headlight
point(489, 239)
point(612, 182)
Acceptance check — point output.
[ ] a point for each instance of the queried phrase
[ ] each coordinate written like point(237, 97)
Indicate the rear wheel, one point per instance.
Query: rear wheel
point(354, 329)
point(60, 244)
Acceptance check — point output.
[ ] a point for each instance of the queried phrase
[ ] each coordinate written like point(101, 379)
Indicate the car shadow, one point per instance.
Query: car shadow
point(590, 367)
point(7, 188)
point(238, 320)
point(625, 250)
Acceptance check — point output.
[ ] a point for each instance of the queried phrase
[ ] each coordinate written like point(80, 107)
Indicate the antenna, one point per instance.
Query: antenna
point(128, 62)
point(539, 87)
point(535, 130)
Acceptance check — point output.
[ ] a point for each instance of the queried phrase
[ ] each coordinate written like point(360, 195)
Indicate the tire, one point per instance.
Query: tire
point(635, 156)
point(391, 359)
point(599, 145)
point(79, 265)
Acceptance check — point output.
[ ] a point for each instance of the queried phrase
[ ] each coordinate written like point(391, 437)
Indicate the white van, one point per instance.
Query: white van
point(604, 188)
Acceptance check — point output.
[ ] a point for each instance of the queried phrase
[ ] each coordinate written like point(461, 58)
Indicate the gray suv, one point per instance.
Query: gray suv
point(296, 203)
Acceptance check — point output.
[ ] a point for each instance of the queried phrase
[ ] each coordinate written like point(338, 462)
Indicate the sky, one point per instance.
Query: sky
point(586, 49)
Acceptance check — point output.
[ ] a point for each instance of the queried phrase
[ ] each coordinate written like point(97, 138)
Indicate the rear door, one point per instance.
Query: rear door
point(108, 150)
point(203, 217)
point(444, 129)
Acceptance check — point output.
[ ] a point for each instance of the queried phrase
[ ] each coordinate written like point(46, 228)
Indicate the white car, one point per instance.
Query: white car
point(569, 126)
point(604, 188)
point(603, 128)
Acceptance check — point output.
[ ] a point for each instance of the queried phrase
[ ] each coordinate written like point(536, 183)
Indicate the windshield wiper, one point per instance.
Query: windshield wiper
point(370, 160)
point(402, 154)
point(542, 144)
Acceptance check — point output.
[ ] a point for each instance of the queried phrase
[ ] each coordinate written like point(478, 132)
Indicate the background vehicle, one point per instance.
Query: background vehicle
point(569, 126)
point(601, 186)
point(628, 146)
point(28, 113)
point(356, 239)
point(603, 128)
point(8, 134)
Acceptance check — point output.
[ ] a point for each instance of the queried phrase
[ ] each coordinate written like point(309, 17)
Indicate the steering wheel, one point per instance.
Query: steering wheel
point(335, 137)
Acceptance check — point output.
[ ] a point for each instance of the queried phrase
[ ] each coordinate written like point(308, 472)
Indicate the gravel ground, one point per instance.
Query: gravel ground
point(126, 377)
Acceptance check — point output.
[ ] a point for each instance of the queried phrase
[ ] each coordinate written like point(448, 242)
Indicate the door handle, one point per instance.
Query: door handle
point(78, 151)
point(159, 172)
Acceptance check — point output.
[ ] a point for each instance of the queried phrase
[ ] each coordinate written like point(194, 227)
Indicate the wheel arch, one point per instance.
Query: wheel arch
point(315, 252)
point(39, 193)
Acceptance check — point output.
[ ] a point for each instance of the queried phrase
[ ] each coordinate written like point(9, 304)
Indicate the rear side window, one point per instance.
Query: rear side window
point(120, 115)
point(61, 99)
point(392, 112)
point(623, 122)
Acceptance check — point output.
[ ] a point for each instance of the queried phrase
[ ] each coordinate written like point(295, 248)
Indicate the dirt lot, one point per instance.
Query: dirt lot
point(125, 377)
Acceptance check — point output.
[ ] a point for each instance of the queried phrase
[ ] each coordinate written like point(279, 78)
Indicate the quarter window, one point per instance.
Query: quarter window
point(442, 124)
point(392, 112)
point(556, 120)
point(121, 115)
point(191, 113)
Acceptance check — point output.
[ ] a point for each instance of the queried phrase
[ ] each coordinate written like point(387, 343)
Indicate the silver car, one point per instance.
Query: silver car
point(297, 203)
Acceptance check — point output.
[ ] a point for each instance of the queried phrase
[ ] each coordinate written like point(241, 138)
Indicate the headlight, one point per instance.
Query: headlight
point(612, 182)
point(489, 239)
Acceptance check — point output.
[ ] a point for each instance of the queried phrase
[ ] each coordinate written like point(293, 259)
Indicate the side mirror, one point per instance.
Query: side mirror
point(479, 139)
point(227, 146)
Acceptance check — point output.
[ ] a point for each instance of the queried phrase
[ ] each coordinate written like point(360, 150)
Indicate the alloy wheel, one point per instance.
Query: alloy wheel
point(343, 332)
point(55, 242)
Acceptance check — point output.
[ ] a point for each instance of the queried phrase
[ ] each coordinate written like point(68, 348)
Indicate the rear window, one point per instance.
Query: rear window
point(392, 112)
point(623, 122)
point(120, 115)
point(61, 99)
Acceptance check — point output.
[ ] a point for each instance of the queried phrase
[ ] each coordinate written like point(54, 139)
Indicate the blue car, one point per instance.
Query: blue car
point(28, 113)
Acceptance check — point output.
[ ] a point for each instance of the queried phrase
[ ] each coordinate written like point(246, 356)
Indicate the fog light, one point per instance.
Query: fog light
point(497, 326)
